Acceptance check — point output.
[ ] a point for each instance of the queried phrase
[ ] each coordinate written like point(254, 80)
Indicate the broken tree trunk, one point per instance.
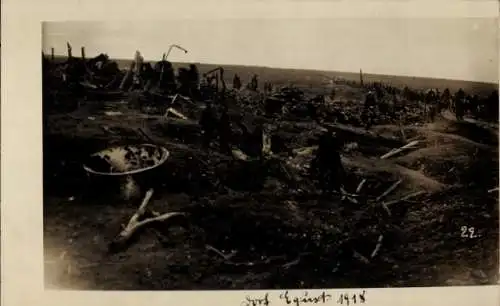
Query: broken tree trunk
point(134, 224)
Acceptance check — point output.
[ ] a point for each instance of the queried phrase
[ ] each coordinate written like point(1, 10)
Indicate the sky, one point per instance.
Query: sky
point(451, 48)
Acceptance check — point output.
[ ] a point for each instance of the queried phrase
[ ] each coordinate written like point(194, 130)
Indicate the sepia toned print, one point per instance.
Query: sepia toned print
point(186, 156)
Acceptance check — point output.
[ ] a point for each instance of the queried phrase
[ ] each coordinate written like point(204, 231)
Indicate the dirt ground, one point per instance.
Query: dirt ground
point(280, 236)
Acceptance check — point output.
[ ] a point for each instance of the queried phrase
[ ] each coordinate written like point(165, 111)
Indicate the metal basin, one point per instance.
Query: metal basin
point(125, 170)
point(126, 160)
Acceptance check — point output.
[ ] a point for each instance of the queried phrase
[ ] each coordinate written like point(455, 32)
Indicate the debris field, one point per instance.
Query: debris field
point(141, 193)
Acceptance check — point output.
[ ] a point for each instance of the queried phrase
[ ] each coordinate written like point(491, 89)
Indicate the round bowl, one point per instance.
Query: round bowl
point(124, 170)
point(126, 160)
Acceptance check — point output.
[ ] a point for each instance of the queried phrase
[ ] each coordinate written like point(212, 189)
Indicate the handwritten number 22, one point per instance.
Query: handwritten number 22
point(467, 232)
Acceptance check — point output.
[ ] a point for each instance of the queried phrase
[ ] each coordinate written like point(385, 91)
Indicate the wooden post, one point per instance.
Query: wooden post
point(52, 56)
point(138, 61)
point(127, 76)
point(70, 55)
point(361, 77)
point(83, 53)
point(217, 82)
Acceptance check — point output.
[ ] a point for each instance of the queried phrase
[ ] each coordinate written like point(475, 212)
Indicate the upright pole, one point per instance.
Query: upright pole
point(70, 55)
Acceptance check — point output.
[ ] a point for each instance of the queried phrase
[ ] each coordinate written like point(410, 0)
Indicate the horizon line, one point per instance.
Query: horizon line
point(497, 83)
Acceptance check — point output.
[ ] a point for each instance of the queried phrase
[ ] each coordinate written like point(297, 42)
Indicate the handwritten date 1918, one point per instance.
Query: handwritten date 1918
point(306, 298)
point(351, 299)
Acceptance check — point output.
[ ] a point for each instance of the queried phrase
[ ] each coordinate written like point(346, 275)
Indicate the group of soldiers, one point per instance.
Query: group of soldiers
point(162, 77)
point(434, 102)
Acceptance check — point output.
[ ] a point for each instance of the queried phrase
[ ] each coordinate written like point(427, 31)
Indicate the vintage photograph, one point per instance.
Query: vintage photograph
point(269, 154)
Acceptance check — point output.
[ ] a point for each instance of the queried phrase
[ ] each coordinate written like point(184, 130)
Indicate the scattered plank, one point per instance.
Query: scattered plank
point(239, 155)
point(360, 186)
point(404, 198)
point(378, 246)
point(352, 132)
point(171, 110)
point(493, 190)
point(389, 190)
point(360, 257)
point(399, 150)
point(304, 151)
point(216, 251)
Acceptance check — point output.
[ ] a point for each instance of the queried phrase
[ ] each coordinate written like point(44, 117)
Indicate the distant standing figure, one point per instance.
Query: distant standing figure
point(433, 110)
point(269, 87)
point(370, 100)
point(327, 164)
point(236, 82)
point(208, 123)
point(492, 106)
point(166, 76)
point(445, 100)
point(459, 104)
point(333, 94)
point(194, 78)
point(184, 81)
point(254, 83)
point(474, 105)
point(225, 133)
point(368, 111)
